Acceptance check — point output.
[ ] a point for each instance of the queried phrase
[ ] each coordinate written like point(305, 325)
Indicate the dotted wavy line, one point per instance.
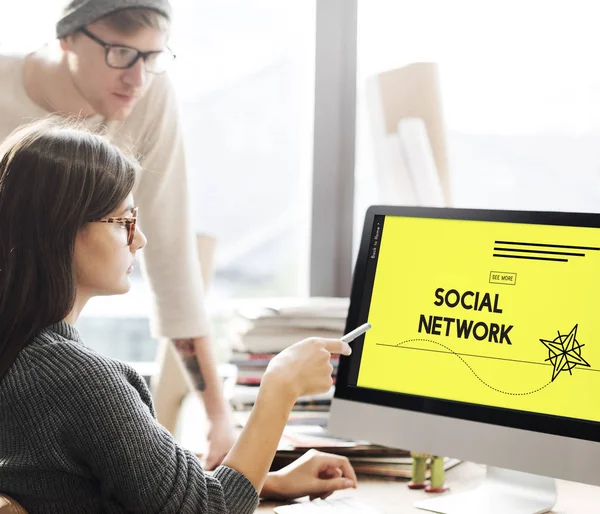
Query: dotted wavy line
point(472, 371)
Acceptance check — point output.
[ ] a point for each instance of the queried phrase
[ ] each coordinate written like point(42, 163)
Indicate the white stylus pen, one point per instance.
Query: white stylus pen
point(351, 336)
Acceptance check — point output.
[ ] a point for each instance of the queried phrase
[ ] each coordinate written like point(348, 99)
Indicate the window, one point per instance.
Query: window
point(245, 73)
point(520, 94)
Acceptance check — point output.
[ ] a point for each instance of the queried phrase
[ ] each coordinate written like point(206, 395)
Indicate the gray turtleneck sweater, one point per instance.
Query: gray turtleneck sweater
point(78, 435)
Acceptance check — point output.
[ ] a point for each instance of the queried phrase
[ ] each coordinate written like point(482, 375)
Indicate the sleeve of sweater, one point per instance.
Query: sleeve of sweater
point(170, 258)
point(112, 429)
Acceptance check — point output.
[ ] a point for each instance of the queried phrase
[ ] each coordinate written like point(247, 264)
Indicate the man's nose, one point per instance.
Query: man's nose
point(136, 75)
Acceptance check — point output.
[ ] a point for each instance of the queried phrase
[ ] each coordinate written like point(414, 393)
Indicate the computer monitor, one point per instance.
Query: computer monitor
point(484, 346)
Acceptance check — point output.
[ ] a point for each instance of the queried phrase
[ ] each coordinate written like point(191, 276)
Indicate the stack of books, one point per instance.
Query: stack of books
point(366, 459)
point(308, 410)
point(259, 332)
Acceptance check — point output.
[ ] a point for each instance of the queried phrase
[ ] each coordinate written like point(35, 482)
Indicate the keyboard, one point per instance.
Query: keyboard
point(328, 506)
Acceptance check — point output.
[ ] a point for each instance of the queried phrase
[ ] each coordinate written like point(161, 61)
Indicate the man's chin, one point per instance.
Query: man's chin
point(116, 113)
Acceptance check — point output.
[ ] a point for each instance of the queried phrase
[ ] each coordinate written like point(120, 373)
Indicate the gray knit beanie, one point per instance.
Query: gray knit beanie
point(78, 13)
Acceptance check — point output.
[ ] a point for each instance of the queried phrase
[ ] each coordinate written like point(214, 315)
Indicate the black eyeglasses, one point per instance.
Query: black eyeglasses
point(124, 57)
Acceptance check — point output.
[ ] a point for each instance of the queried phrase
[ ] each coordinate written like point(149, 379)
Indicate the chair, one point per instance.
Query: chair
point(170, 385)
point(10, 506)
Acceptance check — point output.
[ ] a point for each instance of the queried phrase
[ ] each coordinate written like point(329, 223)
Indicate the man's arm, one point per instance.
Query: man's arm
point(201, 368)
point(187, 351)
point(170, 259)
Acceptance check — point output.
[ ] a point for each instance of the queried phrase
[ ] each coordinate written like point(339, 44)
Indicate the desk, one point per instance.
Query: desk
point(393, 497)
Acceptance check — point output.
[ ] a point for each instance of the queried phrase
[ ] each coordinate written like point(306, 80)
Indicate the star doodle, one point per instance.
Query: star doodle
point(564, 353)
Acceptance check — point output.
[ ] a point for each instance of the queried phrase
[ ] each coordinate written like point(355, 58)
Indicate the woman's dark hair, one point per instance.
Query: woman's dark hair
point(54, 178)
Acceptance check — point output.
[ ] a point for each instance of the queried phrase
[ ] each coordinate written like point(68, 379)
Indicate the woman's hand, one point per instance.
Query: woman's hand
point(301, 369)
point(305, 367)
point(315, 474)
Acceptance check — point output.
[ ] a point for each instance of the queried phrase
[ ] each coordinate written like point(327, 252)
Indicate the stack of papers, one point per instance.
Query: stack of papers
point(273, 326)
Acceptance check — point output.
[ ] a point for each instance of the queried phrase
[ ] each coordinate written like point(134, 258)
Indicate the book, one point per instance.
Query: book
point(272, 321)
point(297, 418)
point(245, 396)
point(274, 341)
point(314, 306)
point(350, 449)
point(395, 470)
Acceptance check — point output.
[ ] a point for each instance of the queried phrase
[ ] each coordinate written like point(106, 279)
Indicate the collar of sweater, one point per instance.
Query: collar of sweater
point(66, 330)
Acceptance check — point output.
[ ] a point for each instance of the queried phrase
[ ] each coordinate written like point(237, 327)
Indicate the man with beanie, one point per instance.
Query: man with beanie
point(108, 68)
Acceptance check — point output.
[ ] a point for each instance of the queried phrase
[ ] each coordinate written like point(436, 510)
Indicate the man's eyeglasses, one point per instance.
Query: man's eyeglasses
point(129, 222)
point(124, 57)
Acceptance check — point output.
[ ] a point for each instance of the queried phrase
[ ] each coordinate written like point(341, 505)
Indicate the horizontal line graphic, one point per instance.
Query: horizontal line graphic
point(546, 245)
point(532, 258)
point(545, 252)
point(477, 356)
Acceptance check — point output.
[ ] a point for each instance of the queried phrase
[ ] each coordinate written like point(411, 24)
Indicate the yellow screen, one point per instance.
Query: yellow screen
point(491, 313)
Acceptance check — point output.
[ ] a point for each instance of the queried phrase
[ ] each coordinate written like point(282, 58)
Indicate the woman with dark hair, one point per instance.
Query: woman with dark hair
point(77, 429)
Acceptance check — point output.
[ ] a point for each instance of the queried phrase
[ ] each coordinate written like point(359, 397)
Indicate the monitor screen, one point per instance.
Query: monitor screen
point(487, 316)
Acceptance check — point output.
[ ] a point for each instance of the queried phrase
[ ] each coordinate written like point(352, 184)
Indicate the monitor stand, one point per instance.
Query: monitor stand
point(502, 491)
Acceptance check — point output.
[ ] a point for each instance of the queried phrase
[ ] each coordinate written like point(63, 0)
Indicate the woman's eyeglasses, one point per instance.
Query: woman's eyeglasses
point(123, 57)
point(129, 222)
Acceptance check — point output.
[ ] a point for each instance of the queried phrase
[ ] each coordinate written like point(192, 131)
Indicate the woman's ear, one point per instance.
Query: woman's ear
point(82, 235)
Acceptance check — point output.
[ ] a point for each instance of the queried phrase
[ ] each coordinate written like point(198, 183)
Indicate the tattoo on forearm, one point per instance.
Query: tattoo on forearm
point(187, 352)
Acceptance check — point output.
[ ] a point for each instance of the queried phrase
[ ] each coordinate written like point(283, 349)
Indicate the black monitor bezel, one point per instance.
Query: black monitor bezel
point(542, 423)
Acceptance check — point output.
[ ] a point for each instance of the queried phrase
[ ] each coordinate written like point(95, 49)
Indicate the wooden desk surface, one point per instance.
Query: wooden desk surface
point(393, 497)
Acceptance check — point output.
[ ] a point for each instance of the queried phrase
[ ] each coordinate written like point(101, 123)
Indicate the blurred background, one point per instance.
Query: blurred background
point(514, 88)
